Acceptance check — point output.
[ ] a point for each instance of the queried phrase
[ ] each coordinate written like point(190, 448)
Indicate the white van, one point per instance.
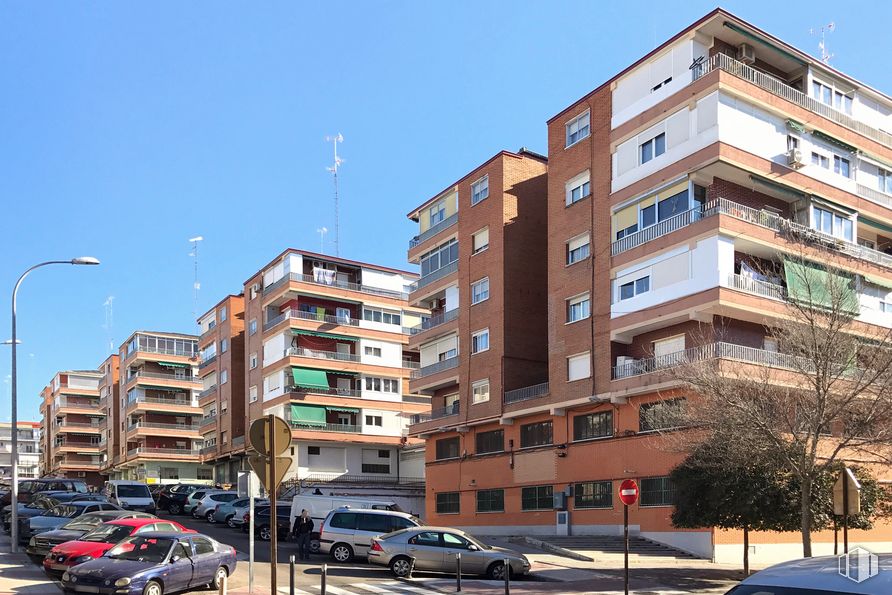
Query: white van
point(318, 508)
point(130, 495)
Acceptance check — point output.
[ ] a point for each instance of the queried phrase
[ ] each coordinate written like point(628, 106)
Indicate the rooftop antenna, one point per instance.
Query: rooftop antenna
point(109, 322)
point(321, 231)
point(338, 138)
point(828, 28)
point(196, 286)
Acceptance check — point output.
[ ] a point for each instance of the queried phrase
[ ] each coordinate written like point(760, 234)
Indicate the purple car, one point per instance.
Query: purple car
point(154, 563)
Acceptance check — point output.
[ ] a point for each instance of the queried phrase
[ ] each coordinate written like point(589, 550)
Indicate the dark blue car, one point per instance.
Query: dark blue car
point(154, 564)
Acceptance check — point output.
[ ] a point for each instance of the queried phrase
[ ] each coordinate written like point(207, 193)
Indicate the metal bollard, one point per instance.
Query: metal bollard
point(291, 576)
point(458, 572)
point(324, 573)
point(224, 585)
point(411, 567)
point(507, 576)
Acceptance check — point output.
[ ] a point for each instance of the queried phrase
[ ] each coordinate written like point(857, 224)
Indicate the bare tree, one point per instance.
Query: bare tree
point(823, 396)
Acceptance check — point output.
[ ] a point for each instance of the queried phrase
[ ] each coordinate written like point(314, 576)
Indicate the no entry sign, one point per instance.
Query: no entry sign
point(628, 492)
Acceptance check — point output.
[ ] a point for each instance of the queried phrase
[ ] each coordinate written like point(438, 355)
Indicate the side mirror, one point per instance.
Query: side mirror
point(473, 548)
point(176, 558)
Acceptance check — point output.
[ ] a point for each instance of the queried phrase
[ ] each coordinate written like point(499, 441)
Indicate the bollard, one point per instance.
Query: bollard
point(291, 577)
point(411, 567)
point(224, 585)
point(507, 576)
point(458, 572)
point(324, 572)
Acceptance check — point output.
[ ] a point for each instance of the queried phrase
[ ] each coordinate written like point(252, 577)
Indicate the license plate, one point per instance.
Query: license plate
point(85, 589)
point(57, 567)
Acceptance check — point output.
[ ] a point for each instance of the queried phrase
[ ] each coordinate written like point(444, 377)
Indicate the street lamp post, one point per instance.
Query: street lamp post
point(14, 490)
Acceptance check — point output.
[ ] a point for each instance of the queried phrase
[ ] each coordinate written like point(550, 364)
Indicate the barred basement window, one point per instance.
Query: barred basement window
point(447, 448)
point(313, 450)
point(493, 441)
point(537, 434)
point(537, 498)
point(593, 425)
point(593, 494)
point(169, 473)
point(372, 468)
point(657, 491)
point(448, 503)
point(490, 500)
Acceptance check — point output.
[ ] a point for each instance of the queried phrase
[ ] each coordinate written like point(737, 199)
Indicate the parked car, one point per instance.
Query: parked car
point(41, 544)
point(263, 525)
point(195, 497)
point(225, 511)
point(815, 576)
point(240, 513)
point(434, 549)
point(348, 532)
point(130, 495)
point(173, 498)
point(29, 487)
point(318, 507)
point(205, 507)
point(154, 564)
point(45, 501)
point(58, 516)
point(99, 540)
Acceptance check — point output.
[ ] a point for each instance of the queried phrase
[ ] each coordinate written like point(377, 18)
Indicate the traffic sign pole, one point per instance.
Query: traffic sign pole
point(845, 518)
point(251, 532)
point(628, 495)
point(273, 511)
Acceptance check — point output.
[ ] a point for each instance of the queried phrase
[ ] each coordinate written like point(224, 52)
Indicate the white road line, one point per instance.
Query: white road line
point(296, 591)
point(371, 588)
point(334, 590)
point(405, 587)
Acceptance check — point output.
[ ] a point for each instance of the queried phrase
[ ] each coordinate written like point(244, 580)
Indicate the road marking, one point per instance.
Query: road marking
point(406, 587)
point(371, 588)
point(334, 590)
point(296, 591)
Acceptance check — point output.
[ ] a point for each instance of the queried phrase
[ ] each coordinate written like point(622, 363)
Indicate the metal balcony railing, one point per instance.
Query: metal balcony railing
point(161, 426)
point(526, 393)
point(756, 287)
point(207, 420)
point(162, 351)
point(207, 361)
point(161, 376)
point(209, 390)
point(238, 441)
point(785, 91)
point(419, 418)
point(434, 321)
point(446, 364)
point(324, 390)
point(151, 450)
point(434, 230)
point(453, 409)
point(316, 354)
point(157, 401)
point(874, 195)
point(311, 316)
point(297, 277)
point(344, 428)
point(662, 228)
point(434, 276)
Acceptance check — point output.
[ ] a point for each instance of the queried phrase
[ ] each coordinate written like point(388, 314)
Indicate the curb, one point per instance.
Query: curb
point(548, 547)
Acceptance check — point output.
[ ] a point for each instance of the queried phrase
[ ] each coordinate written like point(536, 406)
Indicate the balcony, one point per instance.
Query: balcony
point(207, 361)
point(441, 366)
point(434, 321)
point(299, 278)
point(76, 426)
point(238, 441)
point(433, 230)
point(208, 449)
point(312, 317)
point(84, 404)
point(143, 402)
point(756, 287)
point(453, 409)
point(167, 452)
point(788, 93)
point(874, 195)
point(419, 418)
point(315, 354)
point(435, 276)
point(144, 377)
point(208, 391)
point(526, 393)
point(161, 351)
point(207, 421)
point(324, 390)
point(161, 426)
point(343, 428)
point(211, 330)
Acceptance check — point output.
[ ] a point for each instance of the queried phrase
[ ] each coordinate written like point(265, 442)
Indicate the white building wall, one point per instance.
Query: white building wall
point(340, 459)
point(392, 423)
point(293, 263)
point(273, 274)
point(274, 384)
point(274, 349)
point(391, 353)
point(383, 280)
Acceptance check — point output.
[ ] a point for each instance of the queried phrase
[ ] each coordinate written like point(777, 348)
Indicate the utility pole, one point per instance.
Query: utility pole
point(196, 286)
point(338, 138)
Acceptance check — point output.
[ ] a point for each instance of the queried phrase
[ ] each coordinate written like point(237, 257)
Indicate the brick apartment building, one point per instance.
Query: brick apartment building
point(110, 405)
point(29, 449)
point(669, 187)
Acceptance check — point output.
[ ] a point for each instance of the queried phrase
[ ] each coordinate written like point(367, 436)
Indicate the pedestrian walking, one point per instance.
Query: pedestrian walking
point(303, 528)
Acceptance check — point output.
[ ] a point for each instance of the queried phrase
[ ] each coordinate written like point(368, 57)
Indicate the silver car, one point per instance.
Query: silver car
point(347, 532)
point(239, 512)
point(435, 549)
point(859, 572)
point(205, 507)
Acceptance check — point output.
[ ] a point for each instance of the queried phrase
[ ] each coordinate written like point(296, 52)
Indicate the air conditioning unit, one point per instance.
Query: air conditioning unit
point(794, 158)
point(624, 360)
point(746, 53)
point(435, 304)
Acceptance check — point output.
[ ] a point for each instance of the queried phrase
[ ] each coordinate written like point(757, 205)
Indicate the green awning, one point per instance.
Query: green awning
point(308, 415)
point(813, 284)
point(834, 141)
point(832, 205)
point(172, 365)
point(295, 331)
point(777, 187)
point(170, 389)
point(877, 280)
point(794, 125)
point(344, 409)
point(309, 378)
point(764, 42)
point(875, 224)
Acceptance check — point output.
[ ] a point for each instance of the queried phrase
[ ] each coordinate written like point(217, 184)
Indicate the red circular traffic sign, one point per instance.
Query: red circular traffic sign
point(628, 492)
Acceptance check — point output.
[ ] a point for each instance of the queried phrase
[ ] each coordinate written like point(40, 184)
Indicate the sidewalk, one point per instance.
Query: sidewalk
point(20, 576)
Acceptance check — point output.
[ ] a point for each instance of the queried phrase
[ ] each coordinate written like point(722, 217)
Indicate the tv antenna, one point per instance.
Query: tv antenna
point(196, 286)
point(109, 322)
point(321, 231)
point(338, 138)
point(828, 28)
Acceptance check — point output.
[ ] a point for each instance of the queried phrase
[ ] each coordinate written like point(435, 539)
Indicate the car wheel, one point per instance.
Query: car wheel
point(265, 533)
point(229, 521)
point(496, 571)
point(219, 577)
point(210, 517)
point(314, 546)
point(401, 567)
point(153, 588)
point(195, 513)
point(174, 509)
point(342, 552)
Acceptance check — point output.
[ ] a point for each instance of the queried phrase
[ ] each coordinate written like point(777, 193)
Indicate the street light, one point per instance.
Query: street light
point(14, 491)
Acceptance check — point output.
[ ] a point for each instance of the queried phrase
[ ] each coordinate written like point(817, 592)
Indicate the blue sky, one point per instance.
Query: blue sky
point(127, 129)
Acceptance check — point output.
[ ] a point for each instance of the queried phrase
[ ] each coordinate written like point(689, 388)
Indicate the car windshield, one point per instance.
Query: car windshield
point(108, 534)
point(83, 523)
point(133, 491)
point(142, 549)
point(65, 511)
point(477, 542)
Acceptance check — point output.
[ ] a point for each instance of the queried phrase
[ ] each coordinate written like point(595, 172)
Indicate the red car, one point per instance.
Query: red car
point(93, 544)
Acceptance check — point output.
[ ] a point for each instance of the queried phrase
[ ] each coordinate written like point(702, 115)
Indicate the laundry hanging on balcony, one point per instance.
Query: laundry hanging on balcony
point(324, 276)
point(812, 284)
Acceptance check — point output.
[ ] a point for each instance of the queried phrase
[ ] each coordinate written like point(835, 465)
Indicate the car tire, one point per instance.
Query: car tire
point(210, 517)
point(401, 567)
point(229, 521)
point(264, 533)
point(496, 571)
point(174, 508)
point(194, 513)
point(341, 552)
point(219, 576)
point(153, 588)
point(315, 546)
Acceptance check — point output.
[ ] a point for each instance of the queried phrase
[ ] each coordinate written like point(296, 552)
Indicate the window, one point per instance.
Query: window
point(841, 166)
point(593, 425)
point(252, 360)
point(652, 148)
point(480, 341)
point(578, 367)
point(343, 520)
point(492, 441)
point(578, 248)
point(537, 498)
point(578, 128)
point(374, 420)
point(480, 391)
point(480, 290)
point(831, 223)
point(578, 308)
point(313, 450)
point(386, 385)
point(661, 84)
point(223, 314)
point(479, 190)
point(170, 473)
point(372, 351)
point(223, 437)
point(793, 142)
point(660, 415)
point(480, 240)
point(440, 257)
point(252, 394)
point(437, 213)
point(427, 538)
point(578, 188)
point(884, 180)
point(382, 316)
point(535, 434)
point(224, 345)
point(448, 448)
point(224, 376)
point(657, 491)
point(375, 523)
point(633, 288)
point(447, 503)
point(820, 160)
point(490, 501)
point(376, 468)
point(252, 326)
point(828, 95)
point(593, 494)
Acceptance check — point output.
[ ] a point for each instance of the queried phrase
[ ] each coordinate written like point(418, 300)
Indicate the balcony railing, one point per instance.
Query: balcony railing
point(662, 228)
point(434, 321)
point(207, 449)
point(434, 230)
point(424, 400)
point(157, 401)
point(238, 441)
point(161, 351)
point(874, 195)
point(75, 444)
point(207, 420)
point(208, 332)
point(344, 428)
point(83, 402)
point(299, 278)
point(446, 364)
point(419, 418)
point(324, 390)
point(311, 316)
point(756, 287)
point(785, 91)
point(79, 425)
point(209, 390)
point(207, 361)
point(161, 376)
point(446, 411)
point(435, 276)
point(316, 354)
point(161, 426)
point(526, 393)
point(151, 450)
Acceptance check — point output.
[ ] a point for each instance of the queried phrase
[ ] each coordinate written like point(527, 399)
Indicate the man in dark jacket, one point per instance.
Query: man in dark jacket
point(303, 528)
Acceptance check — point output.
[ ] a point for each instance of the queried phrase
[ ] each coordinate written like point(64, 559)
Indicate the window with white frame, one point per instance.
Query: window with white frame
point(832, 223)
point(820, 160)
point(884, 180)
point(372, 351)
point(828, 95)
point(252, 393)
point(578, 248)
point(252, 326)
point(480, 391)
point(633, 288)
point(578, 128)
point(652, 148)
point(579, 366)
point(252, 360)
point(578, 188)
point(374, 420)
point(480, 240)
point(480, 341)
point(578, 308)
point(437, 213)
point(382, 316)
point(842, 166)
point(224, 376)
point(273, 382)
point(382, 385)
point(480, 290)
point(480, 190)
